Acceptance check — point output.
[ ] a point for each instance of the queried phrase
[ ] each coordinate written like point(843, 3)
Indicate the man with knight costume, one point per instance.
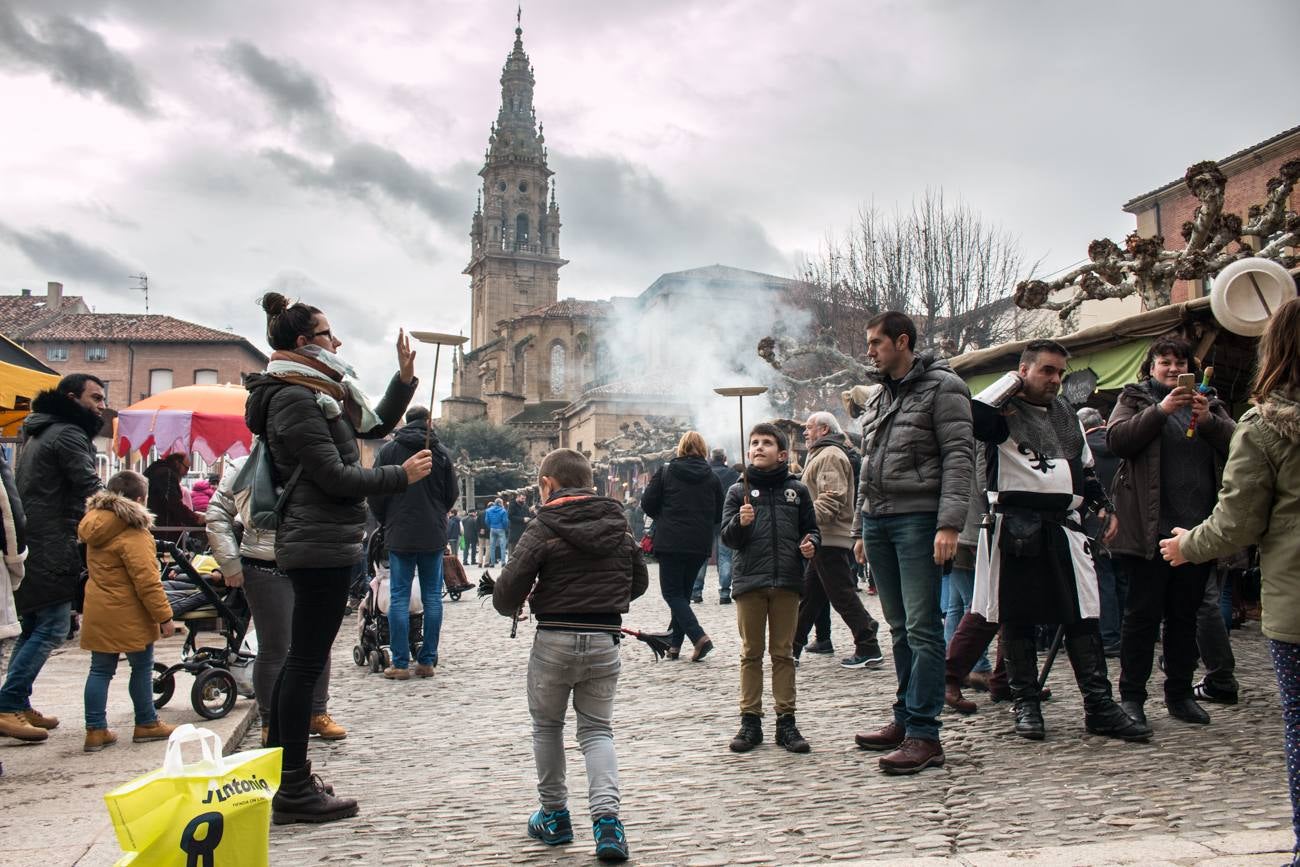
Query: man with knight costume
point(1034, 564)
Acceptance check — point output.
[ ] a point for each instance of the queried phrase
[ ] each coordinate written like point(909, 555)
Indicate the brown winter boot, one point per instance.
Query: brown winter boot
point(14, 725)
point(155, 731)
point(97, 739)
point(422, 670)
point(40, 720)
point(954, 699)
point(323, 725)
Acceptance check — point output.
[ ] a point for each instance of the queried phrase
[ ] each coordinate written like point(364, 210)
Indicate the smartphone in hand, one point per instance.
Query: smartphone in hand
point(1187, 381)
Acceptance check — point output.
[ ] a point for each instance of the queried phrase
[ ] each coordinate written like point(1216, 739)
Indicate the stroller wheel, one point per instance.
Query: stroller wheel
point(358, 655)
point(376, 662)
point(214, 693)
point(164, 684)
point(386, 657)
point(454, 594)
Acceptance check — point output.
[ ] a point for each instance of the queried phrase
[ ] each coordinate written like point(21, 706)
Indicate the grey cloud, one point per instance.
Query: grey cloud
point(63, 257)
point(294, 93)
point(76, 57)
point(360, 170)
point(616, 214)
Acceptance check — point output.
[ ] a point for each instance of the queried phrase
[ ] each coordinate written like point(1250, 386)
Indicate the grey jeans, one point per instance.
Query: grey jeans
point(586, 666)
point(1212, 637)
point(270, 598)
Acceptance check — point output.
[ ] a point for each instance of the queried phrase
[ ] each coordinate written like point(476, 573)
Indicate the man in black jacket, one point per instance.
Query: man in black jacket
point(415, 532)
point(519, 518)
point(56, 473)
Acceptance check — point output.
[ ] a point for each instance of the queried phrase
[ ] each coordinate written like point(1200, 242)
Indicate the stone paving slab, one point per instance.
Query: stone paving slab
point(444, 770)
point(52, 794)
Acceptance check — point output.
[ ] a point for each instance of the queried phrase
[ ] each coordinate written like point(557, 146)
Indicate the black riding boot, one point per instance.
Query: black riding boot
point(304, 797)
point(1102, 715)
point(1021, 658)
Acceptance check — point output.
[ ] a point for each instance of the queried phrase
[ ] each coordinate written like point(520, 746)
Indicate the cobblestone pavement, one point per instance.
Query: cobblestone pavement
point(443, 767)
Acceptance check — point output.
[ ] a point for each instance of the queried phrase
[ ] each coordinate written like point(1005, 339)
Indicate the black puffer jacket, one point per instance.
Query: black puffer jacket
point(767, 551)
point(579, 551)
point(56, 473)
point(416, 519)
point(324, 520)
point(685, 498)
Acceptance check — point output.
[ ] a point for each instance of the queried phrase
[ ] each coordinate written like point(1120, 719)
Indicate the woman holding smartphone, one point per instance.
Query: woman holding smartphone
point(1168, 479)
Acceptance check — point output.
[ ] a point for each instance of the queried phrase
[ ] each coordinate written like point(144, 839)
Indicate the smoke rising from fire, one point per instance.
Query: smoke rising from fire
point(677, 345)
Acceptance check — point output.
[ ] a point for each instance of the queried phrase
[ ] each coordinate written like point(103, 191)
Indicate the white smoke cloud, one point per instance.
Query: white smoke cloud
point(686, 342)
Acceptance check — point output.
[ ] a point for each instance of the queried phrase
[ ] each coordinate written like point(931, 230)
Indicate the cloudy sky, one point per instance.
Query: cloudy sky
point(330, 147)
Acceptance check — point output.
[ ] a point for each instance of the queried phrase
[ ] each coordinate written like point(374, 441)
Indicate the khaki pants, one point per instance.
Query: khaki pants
point(767, 617)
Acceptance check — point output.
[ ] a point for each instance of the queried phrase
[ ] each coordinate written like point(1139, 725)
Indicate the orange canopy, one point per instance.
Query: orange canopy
point(208, 399)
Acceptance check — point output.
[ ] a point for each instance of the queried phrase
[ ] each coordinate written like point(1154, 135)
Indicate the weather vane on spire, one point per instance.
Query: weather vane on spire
point(519, 14)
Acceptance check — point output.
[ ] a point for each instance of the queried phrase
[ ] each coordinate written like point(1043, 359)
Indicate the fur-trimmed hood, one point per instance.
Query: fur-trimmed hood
point(53, 407)
point(108, 515)
point(1281, 412)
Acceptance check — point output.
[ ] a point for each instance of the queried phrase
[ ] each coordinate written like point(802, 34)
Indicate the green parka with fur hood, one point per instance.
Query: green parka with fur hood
point(1259, 503)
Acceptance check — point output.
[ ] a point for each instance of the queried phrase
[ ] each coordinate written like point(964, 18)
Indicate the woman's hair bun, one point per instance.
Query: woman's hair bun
point(274, 303)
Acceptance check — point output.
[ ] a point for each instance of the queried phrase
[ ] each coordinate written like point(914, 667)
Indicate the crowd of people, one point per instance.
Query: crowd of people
point(1030, 516)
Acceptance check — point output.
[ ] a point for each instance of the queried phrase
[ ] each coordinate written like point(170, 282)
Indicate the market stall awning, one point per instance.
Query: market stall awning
point(22, 377)
point(1115, 366)
point(1113, 350)
point(208, 419)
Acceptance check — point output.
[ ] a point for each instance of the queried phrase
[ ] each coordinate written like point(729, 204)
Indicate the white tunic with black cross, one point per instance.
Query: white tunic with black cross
point(1058, 583)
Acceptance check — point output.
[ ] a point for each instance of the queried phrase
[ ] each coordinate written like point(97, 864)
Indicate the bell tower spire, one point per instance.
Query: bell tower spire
point(515, 239)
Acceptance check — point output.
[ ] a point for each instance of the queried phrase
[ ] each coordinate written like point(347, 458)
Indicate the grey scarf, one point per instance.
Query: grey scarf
point(1053, 434)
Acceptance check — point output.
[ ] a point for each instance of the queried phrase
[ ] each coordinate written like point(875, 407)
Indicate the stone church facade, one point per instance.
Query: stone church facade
point(536, 362)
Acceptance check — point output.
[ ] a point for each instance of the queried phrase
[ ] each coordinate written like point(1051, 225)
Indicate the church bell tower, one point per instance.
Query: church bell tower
point(515, 233)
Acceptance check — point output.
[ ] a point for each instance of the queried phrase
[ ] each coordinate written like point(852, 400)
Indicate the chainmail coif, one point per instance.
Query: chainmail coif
point(1053, 434)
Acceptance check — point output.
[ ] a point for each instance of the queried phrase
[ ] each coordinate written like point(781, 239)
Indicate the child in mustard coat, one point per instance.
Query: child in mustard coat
point(126, 608)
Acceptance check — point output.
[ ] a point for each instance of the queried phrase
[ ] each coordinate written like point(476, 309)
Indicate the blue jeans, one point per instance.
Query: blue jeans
point(44, 629)
point(724, 571)
point(961, 587)
point(102, 668)
point(1112, 582)
point(497, 543)
point(901, 551)
point(401, 573)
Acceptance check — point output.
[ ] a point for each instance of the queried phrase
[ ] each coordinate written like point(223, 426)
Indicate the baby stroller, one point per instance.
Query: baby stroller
point(372, 647)
point(217, 670)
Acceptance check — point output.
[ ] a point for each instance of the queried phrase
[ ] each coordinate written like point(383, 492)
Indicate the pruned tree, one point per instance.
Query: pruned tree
point(1212, 240)
point(940, 262)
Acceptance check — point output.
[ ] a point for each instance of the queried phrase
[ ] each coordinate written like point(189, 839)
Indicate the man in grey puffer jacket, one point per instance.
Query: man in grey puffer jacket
point(912, 500)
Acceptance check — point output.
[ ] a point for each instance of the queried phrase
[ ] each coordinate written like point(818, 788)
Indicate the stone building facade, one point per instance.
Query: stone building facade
point(1164, 210)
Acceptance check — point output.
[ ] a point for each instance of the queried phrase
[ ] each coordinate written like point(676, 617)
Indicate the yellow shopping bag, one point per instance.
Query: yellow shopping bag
point(212, 813)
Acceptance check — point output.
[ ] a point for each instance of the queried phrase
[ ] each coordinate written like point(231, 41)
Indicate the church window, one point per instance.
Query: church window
point(523, 186)
point(501, 185)
point(557, 368)
point(521, 231)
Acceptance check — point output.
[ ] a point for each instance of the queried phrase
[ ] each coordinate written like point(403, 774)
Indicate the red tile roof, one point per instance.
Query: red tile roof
point(138, 328)
point(572, 307)
point(23, 311)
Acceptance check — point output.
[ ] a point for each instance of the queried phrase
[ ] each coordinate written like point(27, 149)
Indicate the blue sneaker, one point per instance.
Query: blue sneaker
point(552, 828)
point(611, 842)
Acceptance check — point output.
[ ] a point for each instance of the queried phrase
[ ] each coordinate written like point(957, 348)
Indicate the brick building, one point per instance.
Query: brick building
point(1163, 211)
point(136, 355)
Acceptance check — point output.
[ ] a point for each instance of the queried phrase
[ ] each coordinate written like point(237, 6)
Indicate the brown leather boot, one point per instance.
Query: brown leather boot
point(422, 670)
point(954, 699)
point(15, 725)
point(97, 739)
point(324, 727)
point(40, 720)
point(912, 756)
point(887, 738)
point(395, 673)
point(155, 731)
